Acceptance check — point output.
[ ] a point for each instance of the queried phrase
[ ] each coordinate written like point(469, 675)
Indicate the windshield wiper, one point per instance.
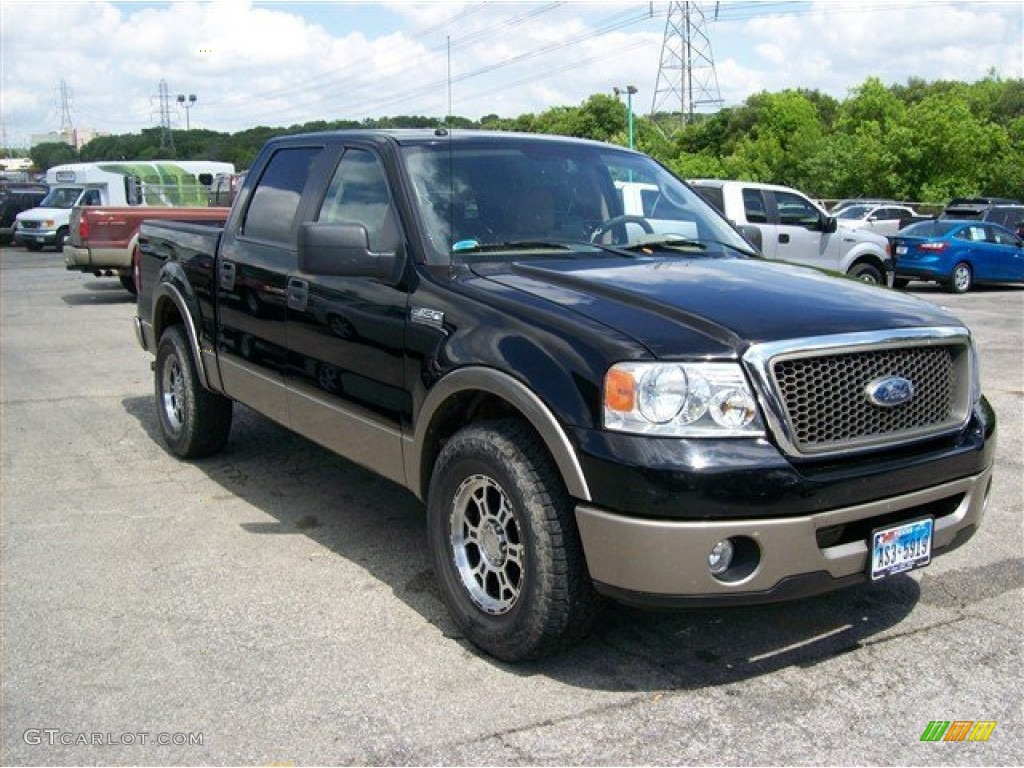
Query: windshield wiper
point(650, 243)
point(473, 246)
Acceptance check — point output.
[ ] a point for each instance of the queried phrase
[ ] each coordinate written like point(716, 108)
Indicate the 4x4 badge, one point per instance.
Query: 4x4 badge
point(890, 391)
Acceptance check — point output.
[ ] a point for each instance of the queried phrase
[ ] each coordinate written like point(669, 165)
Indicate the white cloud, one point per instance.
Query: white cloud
point(276, 64)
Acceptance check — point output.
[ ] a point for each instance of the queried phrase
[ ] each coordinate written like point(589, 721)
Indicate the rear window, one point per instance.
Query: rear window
point(928, 229)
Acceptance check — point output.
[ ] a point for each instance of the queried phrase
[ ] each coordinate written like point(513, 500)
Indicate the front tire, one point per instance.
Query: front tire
point(961, 279)
point(866, 274)
point(195, 422)
point(506, 550)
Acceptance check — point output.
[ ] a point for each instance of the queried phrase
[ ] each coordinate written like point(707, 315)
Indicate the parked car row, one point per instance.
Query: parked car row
point(974, 240)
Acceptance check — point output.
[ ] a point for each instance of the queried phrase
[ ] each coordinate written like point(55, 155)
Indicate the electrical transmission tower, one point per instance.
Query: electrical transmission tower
point(686, 75)
point(67, 126)
point(166, 137)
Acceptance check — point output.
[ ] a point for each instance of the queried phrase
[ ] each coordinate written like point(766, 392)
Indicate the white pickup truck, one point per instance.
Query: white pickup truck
point(788, 226)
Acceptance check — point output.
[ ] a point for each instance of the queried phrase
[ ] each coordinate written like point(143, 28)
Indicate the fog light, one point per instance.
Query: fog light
point(720, 557)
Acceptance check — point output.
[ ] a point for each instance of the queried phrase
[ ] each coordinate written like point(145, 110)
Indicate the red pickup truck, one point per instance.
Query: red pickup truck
point(103, 240)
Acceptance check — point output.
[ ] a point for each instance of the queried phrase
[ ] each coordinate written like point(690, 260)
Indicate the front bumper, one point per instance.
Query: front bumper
point(41, 236)
point(665, 562)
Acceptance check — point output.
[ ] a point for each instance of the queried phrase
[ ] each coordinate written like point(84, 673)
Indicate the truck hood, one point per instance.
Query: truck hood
point(731, 302)
point(41, 214)
point(856, 232)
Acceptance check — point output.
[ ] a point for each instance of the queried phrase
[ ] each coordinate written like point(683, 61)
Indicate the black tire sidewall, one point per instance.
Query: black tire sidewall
point(173, 346)
point(520, 632)
point(860, 270)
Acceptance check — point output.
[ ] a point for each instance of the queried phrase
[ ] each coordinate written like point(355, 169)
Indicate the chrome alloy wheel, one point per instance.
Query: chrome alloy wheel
point(487, 545)
point(961, 278)
point(173, 389)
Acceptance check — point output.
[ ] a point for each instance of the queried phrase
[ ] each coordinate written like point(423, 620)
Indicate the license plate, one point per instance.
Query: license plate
point(901, 548)
point(901, 250)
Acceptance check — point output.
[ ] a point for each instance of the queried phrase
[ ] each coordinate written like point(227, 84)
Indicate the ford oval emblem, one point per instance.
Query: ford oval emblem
point(890, 391)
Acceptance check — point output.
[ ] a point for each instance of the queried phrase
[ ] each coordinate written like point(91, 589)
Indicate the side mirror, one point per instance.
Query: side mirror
point(830, 225)
point(341, 250)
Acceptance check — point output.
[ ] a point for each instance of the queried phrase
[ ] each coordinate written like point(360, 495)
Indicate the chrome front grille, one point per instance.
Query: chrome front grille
point(816, 391)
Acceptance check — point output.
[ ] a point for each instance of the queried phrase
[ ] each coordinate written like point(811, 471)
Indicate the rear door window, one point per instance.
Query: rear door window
point(275, 200)
point(754, 206)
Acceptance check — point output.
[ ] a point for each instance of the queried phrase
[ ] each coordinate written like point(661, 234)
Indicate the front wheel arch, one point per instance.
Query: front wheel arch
point(474, 393)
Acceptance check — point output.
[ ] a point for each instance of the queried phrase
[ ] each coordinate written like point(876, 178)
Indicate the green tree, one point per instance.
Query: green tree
point(48, 154)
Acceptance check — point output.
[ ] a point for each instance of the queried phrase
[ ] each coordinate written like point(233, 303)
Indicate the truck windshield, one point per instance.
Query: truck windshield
point(61, 197)
point(476, 194)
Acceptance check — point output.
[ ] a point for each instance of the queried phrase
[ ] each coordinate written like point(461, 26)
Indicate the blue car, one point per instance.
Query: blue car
point(957, 254)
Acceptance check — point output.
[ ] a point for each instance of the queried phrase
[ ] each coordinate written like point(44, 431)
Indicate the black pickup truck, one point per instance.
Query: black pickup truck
point(590, 403)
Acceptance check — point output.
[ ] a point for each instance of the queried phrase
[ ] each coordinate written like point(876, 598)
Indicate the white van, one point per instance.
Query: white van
point(114, 183)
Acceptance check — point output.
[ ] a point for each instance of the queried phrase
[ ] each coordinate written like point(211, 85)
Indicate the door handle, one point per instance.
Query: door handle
point(298, 294)
point(227, 275)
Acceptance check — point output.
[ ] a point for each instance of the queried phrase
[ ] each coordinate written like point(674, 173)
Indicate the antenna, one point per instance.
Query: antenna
point(448, 38)
point(686, 75)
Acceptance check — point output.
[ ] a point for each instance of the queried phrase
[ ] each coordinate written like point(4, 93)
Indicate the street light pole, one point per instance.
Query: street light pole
point(187, 102)
point(629, 90)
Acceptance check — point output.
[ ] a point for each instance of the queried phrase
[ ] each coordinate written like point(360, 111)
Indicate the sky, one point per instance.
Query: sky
point(283, 63)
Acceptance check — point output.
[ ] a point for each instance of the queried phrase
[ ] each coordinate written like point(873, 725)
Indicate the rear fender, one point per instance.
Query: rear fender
point(174, 302)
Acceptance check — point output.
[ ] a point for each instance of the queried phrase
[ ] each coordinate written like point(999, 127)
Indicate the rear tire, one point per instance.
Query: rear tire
point(195, 422)
point(128, 283)
point(506, 549)
point(961, 278)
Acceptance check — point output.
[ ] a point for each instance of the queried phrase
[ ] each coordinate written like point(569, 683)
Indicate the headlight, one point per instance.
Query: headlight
point(680, 400)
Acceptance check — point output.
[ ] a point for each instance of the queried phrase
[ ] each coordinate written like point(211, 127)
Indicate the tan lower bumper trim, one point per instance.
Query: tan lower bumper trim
point(669, 557)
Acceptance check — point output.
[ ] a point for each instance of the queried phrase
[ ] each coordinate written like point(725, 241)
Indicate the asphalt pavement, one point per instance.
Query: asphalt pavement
point(274, 605)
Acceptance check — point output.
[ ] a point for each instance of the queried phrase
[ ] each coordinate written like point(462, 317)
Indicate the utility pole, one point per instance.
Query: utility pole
point(686, 75)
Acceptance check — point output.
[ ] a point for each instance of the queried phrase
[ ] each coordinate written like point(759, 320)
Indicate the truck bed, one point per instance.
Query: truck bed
point(102, 239)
